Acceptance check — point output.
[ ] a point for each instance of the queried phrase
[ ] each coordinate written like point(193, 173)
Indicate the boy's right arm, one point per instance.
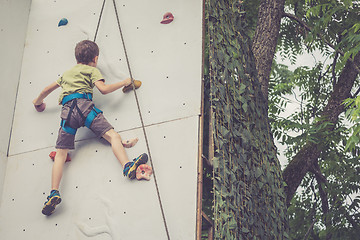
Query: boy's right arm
point(108, 88)
point(44, 93)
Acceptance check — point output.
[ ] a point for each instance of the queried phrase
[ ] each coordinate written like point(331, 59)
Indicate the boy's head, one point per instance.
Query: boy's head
point(86, 51)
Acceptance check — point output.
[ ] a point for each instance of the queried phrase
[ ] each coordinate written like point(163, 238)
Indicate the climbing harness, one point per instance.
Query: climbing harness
point(139, 110)
point(65, 123)
point(72, 96)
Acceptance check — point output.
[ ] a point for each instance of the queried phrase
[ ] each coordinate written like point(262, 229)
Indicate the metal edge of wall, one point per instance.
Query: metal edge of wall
point(200, 137)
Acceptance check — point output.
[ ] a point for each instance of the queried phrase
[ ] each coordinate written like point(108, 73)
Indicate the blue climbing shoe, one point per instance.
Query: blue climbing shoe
point(130, 167)
point(52, 200)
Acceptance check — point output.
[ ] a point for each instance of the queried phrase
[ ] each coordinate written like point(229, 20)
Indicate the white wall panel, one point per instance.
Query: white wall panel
point(98, 201)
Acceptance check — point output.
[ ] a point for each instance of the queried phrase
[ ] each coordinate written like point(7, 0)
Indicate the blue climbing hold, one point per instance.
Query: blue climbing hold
point(63, 22)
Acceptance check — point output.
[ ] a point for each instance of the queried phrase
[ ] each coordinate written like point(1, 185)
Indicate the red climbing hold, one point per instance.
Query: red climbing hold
point(53, 153)
point(167, 18)
point(143, 172)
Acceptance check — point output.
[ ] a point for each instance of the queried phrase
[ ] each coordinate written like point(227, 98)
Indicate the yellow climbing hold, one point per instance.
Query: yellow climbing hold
point(128, 88)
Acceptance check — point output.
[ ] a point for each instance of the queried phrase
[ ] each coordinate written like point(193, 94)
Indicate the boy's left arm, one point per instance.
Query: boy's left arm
point(44, 93)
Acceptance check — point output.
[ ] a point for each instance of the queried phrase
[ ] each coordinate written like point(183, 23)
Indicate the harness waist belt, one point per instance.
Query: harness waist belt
point(76, 95)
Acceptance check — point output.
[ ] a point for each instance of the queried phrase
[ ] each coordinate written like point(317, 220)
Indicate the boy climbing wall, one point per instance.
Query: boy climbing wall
point(78, 110)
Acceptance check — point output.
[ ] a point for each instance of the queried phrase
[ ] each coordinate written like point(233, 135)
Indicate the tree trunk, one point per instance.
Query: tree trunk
point(249, 201)
point(265, 39)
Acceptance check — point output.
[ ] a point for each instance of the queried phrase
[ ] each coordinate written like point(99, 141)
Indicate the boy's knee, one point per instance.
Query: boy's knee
point(61, 155)
point(61, 151)
point(112, 135)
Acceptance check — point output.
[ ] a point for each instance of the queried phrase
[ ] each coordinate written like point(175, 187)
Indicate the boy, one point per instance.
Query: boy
point(78, 110)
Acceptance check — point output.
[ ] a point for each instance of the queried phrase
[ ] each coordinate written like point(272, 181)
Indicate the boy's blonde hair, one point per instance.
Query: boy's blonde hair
point(86, 51)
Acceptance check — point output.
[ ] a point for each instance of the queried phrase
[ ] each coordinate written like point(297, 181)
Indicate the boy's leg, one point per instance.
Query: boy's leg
point(117, 147)
point(58, 167)
point(116, 144)
point(54, 198)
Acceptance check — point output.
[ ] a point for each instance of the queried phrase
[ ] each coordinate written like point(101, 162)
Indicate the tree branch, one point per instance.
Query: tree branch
point(309, 154)
point(321, 180)
point(333, 69)
point(315, 169)
point(309, 229)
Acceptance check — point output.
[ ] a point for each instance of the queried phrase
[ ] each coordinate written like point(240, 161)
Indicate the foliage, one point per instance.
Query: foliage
point(353, 115)
point(331, 22)
point(332, 28)
point(310, 87)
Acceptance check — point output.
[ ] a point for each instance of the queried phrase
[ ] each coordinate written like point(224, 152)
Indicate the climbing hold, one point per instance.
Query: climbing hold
point(63, 22)
point(128, 88)
point(130, 143)
point(40, 107)
point(53, 153)
point(167, 18)
point(143, 172)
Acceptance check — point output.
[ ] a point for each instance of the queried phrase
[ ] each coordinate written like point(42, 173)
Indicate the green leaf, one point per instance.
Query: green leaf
point(232, 224)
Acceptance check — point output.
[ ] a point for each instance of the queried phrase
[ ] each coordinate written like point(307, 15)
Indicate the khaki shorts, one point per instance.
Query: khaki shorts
point(99, 125)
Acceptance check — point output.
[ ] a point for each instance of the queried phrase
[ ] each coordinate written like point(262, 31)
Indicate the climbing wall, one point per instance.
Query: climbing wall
point(98, 202)
point(12, 13)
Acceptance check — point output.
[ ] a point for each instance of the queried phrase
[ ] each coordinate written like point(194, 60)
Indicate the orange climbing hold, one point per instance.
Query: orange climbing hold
point(143, 172)
point(53, 153)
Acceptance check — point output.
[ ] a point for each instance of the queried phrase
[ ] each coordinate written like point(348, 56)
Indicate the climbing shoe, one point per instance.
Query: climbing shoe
point(130, 167)
point(52, 200)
